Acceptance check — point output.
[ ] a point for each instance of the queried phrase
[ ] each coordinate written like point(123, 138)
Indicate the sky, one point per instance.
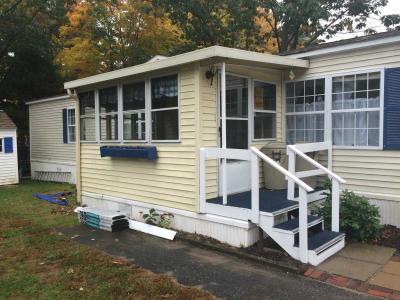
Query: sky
point(393, 7)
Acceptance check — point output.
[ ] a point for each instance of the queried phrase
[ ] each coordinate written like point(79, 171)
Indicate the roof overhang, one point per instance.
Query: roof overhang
point(55, 98)
point(229, 55)
point(347, 47)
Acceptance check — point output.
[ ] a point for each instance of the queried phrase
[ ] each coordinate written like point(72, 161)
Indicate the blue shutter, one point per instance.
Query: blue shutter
point(391, 128)
point(8, 145)
point(65, 126)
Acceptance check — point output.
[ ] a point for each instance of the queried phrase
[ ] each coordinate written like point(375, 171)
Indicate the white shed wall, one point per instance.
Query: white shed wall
point(9, 161)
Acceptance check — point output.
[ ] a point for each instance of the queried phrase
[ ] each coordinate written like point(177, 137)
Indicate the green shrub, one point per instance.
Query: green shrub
point(358, 218)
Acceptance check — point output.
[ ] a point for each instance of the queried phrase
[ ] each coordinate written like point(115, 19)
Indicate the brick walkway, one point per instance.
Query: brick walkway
point(366, 268)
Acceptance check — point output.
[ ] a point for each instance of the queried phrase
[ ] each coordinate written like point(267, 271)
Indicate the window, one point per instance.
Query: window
point(164, 108)
point(264, 110)
point(87, 116)
point(305, 105)
point(71, 125)
point(108, 114)
point(237, 104)
point(1, 145)
point(356, 110)
point(134, 114)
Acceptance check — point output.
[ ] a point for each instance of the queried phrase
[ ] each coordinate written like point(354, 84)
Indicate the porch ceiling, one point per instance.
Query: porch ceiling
point(214, 53)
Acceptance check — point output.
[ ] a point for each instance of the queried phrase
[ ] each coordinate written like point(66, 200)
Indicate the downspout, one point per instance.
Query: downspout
point(73, 94)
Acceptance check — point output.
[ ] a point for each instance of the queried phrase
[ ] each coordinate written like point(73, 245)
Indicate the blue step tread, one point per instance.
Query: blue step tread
point(293, 224)
point(321, 238)
point(270, 200)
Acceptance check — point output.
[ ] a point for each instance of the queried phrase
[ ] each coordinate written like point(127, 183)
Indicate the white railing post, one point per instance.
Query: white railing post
point(335, 205)
point(255, 203)
point(202, 179)
point(223, 134)
point(303, 228)
point(291, 169)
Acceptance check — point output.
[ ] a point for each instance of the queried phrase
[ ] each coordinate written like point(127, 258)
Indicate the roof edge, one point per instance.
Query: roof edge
point(347, 47)
point(187, 58)
point(55, 98)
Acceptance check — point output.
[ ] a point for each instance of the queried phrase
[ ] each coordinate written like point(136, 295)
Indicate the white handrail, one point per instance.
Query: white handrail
point(281, 169)
point(316, 164)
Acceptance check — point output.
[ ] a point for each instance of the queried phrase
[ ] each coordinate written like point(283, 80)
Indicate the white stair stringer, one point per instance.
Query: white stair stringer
point(285, 240)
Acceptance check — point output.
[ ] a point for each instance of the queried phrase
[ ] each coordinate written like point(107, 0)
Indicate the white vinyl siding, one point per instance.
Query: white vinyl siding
point(46, 132)
point(8, 161)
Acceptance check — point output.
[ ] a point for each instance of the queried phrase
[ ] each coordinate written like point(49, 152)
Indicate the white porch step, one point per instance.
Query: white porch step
point(292, 226)
point(322, 240)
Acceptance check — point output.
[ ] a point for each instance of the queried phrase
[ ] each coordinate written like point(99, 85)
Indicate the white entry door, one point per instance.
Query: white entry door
point(237, 133)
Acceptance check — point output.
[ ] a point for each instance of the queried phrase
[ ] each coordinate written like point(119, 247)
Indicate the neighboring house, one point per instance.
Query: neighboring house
point(208, 112)
point(8, 150)
point(52, 139)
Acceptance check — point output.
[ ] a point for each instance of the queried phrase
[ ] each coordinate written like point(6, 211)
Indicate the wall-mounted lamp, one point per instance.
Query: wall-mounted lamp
point(277, 155)
point(292, 76)
point(210, 73)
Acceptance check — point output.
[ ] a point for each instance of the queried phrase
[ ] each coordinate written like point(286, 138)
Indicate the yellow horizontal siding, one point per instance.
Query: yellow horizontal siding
point(169, 181)
point(375, 172)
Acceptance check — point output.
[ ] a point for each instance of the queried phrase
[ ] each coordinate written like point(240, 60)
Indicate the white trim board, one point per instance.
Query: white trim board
point(249, 57)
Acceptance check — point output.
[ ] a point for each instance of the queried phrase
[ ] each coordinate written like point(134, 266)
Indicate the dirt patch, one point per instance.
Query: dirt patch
point(389, 236)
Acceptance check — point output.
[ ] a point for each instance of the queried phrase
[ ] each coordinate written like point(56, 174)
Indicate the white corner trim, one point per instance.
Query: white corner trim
point(348, 47)
point(205, 217)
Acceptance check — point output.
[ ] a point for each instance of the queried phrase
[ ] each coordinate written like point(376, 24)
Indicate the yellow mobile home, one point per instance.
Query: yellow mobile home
point(183, 135)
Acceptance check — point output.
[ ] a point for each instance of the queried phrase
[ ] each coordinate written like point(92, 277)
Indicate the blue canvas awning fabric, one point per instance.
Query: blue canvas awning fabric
point(102, 219)
point(146, 152)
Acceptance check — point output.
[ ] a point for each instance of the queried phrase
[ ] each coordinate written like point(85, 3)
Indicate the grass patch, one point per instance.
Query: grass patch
point(37, 262)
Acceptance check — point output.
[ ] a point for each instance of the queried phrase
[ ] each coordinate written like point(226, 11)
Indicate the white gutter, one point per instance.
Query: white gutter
point(348, 47)
point(190, 57)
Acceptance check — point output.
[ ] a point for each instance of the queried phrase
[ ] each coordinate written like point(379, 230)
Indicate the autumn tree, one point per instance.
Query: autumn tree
point(299, 23)
point(107, 35)
point(230, 23)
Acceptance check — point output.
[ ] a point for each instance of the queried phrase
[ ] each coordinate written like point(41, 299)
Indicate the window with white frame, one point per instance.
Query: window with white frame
point(305, 105)
point(134, 111)
point(264, 110)
point(87, 116)
point(165, 108)
point(71, 125)
point(1, 145)
point(356, 110)
point(108, 114)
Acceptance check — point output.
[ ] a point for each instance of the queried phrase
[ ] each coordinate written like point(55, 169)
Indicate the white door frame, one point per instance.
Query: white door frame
point(239, 184)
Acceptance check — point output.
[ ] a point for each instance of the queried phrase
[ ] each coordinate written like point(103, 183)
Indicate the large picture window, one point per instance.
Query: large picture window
point(305, 103)
point(264, 110)
point(356, 110)
point(134, 111)
point(164, 108)
point(87, 116)
point(108, 114)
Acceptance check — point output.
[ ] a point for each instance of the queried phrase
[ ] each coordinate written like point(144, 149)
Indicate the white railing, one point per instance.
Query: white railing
point(301, 150)
point(303, 202)
point(253, 156)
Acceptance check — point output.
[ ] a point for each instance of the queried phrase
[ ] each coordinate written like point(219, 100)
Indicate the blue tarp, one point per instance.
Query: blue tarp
point(54, 198)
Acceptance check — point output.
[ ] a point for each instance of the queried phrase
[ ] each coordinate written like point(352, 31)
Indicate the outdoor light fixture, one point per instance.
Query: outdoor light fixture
point(292, 76)
point(277, 155)
point(210, 73)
